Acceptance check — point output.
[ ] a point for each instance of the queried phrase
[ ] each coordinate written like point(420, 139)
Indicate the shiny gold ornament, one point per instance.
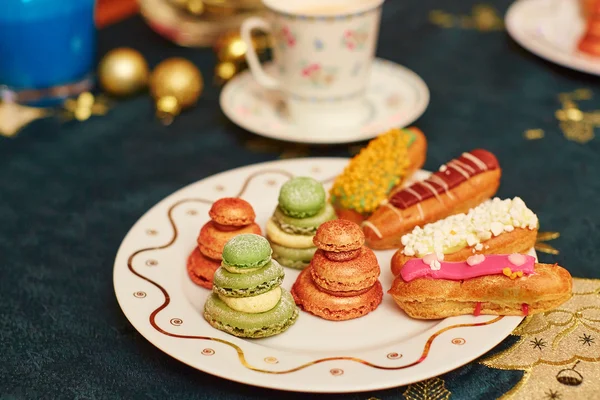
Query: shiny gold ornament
point(234, 50)
point(175, 84)
point(167, 108)
point(195, 7)
point(123, 72)
point(224, 71)
point(231, 47)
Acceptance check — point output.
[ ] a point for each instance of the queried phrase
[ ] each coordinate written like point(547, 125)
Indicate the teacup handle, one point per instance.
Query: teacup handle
point(253, 62)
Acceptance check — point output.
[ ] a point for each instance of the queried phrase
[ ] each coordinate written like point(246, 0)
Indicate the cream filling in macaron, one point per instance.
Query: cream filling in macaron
point(236, 270)
point(255, 304)
point(277, 235)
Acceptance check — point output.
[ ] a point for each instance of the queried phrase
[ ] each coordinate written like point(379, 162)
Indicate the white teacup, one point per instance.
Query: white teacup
point(323, 51)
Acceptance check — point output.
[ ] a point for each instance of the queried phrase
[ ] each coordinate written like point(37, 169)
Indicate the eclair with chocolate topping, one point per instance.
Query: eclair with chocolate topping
point(459, 185)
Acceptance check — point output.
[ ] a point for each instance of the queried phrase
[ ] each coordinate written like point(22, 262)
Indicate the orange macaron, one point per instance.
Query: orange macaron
point(232, 211)
point(332, 307)
point(340, 239)
point(211, 239)
point(201, 269)
point(352, 275)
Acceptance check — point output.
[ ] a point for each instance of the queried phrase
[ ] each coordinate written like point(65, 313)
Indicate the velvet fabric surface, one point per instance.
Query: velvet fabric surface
point(71, 191)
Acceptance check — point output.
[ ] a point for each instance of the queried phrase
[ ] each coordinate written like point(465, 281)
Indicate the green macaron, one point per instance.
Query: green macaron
point(253, 283)
point(246, 325)
point(293, 258)
point(246, 252)
point(304, 226)
point(301, 197)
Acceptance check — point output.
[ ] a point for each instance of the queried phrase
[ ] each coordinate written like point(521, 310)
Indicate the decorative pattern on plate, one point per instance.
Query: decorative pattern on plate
point(208, 352)
point(176, 321)
point(558, 350)
point(459, 341)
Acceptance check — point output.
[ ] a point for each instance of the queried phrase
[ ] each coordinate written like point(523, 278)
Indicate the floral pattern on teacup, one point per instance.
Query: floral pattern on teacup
point(318, 75)
point(285, 37)
point(355, 39)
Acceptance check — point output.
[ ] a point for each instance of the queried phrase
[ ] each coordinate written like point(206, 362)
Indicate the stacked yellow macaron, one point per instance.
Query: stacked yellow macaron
point(247, 299)
point(301, 209)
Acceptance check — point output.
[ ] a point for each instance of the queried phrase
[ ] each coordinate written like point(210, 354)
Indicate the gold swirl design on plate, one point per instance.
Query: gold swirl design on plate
point(176, 321)
point(458, 341)
point(394, 356)
point(240, 352)
point(208, 352)
point(139, 294)
point(271, 360)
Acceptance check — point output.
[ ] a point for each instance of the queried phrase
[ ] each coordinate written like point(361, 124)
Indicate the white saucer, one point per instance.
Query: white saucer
point(396, 97)
point(551, 29)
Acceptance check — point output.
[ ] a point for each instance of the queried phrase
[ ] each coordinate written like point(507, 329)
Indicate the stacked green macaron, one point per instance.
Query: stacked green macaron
point(247, 300)
point(302, 208)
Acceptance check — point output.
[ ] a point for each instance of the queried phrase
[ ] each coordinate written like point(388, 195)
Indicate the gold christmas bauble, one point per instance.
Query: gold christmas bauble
point(179, 78)
point(231, 47)
point(175, 84)
point(224, 71)
point(123, 72)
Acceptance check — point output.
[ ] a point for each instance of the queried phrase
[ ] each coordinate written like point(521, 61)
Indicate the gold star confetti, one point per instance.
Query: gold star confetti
point(13, 117)
point(534, 134)
point(545, 247)
point(84, 106)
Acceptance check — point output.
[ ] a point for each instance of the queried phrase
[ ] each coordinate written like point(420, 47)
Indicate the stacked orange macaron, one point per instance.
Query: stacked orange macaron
point(229, 217)
point(341, 281)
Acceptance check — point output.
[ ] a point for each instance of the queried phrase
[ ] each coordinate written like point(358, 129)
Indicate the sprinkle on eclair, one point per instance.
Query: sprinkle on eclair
point(371, 174)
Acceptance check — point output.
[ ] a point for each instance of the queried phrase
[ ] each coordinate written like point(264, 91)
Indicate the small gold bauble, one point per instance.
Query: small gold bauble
point(195, 7)
point(167, 108)
point(231, 47)
point(123, 72)
point(179, 78)
point(225, 70)
point(234, 50)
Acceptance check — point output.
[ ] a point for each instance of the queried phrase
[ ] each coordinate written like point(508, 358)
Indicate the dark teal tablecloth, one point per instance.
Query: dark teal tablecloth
point(70, 192)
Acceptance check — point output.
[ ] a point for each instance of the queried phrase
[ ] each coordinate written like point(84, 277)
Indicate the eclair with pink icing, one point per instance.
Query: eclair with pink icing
point(494, 227)
point(433, 288)
point(458, 186)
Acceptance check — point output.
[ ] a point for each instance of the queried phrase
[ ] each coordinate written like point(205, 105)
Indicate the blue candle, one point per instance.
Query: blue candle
point(46, 43)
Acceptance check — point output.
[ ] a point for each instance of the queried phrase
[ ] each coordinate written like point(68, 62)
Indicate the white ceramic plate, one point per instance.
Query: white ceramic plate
point(381, 350)
point(396, 96)
point(551, 29)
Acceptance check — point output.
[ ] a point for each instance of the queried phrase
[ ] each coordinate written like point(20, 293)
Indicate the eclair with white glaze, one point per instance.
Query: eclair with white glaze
point(494, 227)
point(459, 185)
